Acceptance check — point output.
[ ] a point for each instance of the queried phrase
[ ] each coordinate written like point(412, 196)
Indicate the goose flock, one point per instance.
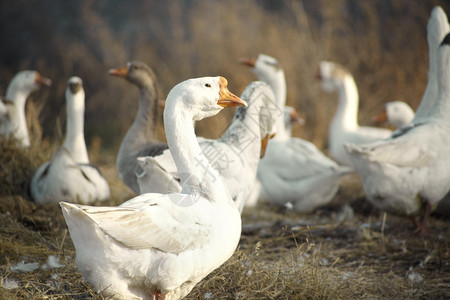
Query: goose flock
point(186, 218)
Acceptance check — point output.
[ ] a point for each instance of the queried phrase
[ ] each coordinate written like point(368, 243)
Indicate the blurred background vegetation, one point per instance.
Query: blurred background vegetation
point(382, 42)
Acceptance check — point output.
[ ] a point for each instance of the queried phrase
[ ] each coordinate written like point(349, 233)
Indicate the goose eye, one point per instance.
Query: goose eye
point(272, 64)
point(207, 85)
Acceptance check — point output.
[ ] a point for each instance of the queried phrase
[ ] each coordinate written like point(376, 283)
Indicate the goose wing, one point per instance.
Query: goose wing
point(162, 222)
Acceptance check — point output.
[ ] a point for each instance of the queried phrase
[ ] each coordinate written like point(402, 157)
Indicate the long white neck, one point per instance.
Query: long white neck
point(197, 176)
point(441, 108)
point(144, 125)
point(428, 98)
point(346, 116)
point(18, 123)
point(247, 126)
point(75, 142)
point(278, 85)
point(437, 28)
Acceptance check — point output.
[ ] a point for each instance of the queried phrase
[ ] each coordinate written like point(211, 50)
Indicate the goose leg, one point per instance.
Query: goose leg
point(415, 222)
point(159, 296)
point(422, 227)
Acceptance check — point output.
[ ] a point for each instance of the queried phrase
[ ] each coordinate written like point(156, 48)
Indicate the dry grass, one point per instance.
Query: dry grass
point(343, 255)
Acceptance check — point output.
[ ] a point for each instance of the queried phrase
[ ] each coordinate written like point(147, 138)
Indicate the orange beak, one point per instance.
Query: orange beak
point(264, 143)
point(295, 118)
point(227, 98)
point(42, 80)
point(381, 118)
point(317, 76)
point(121, 72)
point(248, 62)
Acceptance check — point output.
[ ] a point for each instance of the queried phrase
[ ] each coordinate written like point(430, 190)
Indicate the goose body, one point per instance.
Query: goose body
point(235, 155)
point(158, 246)
point(68, 175)
point(409, 173)
point(13, 119)
point(344, 127)
point(6, 110)
point(291, 117)
point(140, 139)
point(3, 109)
point(312, 186)
point(293, 170)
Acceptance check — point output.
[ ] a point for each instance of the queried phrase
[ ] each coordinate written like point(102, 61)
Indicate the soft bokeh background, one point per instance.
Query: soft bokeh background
point(383, 43)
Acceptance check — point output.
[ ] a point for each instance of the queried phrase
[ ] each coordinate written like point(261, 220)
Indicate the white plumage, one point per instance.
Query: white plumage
point(409, 173)
point(344, 127)
point(13, 117)
point(68, 175)
point(396, 113)
point(293, 169)
point(159, 246)
point(235, 155)
point(437, 28)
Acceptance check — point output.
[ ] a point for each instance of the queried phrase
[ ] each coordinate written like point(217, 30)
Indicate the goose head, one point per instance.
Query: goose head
point(291, 117)
point(75, 93)
point(331, 75)
point(26, 82)
point(135, 72)
point(265, 67)
point(202, 97)
point(397, 113)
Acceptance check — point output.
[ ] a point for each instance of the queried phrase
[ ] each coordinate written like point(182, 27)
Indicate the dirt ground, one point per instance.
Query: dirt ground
point(347, 250)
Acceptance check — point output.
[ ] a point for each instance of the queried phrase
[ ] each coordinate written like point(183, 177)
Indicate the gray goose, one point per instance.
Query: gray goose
point(140, 140)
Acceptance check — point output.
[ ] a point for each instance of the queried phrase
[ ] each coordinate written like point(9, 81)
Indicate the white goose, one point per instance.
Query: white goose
point(235, 155)
point(158, 246)
point(437, 28)
point(293, 169)
point(344, 127)
point(396, 113)
point(409, 173)
point(14, 121)
point(69, 176)
point(140, 140)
